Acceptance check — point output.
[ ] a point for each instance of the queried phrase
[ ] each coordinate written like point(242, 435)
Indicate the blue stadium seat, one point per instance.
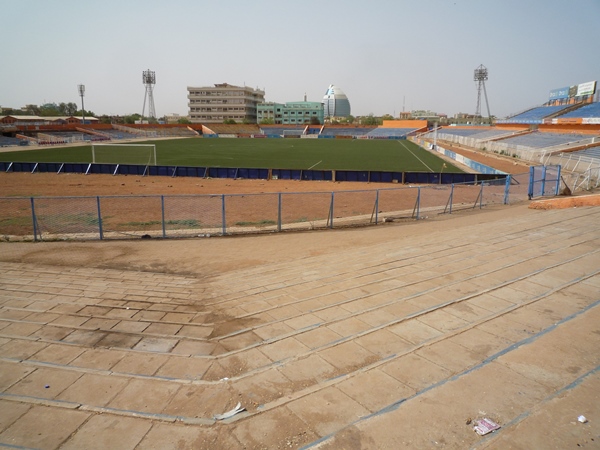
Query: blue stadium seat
point(390, 132)
point(6, 141)
point(543, 140)
point(350, 131)
point(536, 115)
point(588, 111)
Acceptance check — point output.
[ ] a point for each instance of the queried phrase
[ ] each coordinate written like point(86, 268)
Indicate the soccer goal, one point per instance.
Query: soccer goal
point(140, 154)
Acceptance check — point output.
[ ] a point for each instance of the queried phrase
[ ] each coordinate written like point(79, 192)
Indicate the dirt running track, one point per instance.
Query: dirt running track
point(395, 336)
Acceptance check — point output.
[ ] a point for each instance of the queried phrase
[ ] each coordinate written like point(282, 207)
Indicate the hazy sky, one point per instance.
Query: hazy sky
point(386, 55)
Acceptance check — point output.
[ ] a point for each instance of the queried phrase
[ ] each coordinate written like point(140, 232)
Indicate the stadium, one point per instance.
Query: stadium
point(420, 169)
point(328, 286)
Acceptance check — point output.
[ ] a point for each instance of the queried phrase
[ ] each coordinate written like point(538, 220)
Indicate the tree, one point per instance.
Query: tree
point(184, 121)
point(87, 113)
point(132, 118)
point(229, 121)
point(387, 117)
point(369, 120)
point(49, 109)
point(34, 110)
point(351, 119)
point(314, 120)
point(70, 109)
point(267, 121)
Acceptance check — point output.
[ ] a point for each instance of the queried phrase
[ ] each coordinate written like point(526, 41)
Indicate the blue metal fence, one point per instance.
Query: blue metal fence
point(544, 181)
point(252, 173)
point(163, 216)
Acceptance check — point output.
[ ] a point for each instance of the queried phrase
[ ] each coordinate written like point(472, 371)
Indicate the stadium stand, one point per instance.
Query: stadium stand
point(6, 141)
point(234, 128)
point(66, 136)
point(278, 130)
point(587, 111)
point(543, 140)
point(118, 134)
point(536, 115)
point(493, 134)
point(476, 133)
point(390, 132)
point(351, 131)
point(174, 132)
point(593, 153)
point(465, 132)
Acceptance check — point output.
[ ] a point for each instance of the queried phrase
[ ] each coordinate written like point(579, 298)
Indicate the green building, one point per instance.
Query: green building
point(293, 113)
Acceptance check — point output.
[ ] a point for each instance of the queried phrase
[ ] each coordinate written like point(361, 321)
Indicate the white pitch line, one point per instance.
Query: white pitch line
point(422, 162)
point(315, 165)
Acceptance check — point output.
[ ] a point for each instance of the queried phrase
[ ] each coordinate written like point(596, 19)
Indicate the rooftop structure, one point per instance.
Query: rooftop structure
point(223, 102)
point(291, 113)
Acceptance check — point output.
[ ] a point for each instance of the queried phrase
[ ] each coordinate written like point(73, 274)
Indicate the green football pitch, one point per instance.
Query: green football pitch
point(317, 154)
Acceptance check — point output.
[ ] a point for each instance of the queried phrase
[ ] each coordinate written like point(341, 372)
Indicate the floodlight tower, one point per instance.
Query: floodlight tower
point(81, 89)
point(481, 75)
point(149, 81)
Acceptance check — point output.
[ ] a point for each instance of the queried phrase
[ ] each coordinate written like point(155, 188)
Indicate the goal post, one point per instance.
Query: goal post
point(139, 154)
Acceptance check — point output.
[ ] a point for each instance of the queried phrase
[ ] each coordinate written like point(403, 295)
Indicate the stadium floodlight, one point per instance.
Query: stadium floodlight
point(149, 79)
point(481, 76)
point(81, 89)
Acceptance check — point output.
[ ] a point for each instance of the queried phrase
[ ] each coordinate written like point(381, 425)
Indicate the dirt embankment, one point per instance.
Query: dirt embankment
point(566, 202)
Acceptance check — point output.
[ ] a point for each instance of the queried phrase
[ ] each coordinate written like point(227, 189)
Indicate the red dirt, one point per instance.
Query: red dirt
point(566, 202)
point(49, 184)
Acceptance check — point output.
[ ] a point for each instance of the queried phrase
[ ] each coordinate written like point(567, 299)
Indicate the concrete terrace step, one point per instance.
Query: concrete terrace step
point(497, 316)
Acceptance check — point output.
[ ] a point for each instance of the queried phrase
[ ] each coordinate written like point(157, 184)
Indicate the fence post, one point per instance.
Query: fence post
point(223, 213)
point(34, 219)
point(279, 212)
point(531, 180)
point(557, 191)
point(451, 199)
point(543, 180)
point(331, 210)
point(507, 189)
point(417, 204)
point(377, 207)
point(481, 196)
point(162, 213)
point(99, 217)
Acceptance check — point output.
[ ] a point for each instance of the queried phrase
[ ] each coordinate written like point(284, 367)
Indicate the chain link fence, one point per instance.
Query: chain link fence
point(162, 216)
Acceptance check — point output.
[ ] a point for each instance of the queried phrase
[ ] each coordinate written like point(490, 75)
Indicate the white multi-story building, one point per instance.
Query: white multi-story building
point(223, 102)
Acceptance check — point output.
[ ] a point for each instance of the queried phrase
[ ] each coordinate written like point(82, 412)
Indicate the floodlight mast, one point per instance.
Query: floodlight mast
point(480, 76)
point(149, 79)
point(81, 89)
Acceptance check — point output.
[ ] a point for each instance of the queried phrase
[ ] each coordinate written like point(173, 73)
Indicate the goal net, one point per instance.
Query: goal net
point(139, 154)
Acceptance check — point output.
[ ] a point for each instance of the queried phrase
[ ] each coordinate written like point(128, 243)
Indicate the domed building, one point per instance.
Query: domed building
point(335, 103)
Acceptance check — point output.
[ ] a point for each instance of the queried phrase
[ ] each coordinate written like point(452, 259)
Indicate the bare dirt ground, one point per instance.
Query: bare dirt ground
point(45, 184)
point(566, 202)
